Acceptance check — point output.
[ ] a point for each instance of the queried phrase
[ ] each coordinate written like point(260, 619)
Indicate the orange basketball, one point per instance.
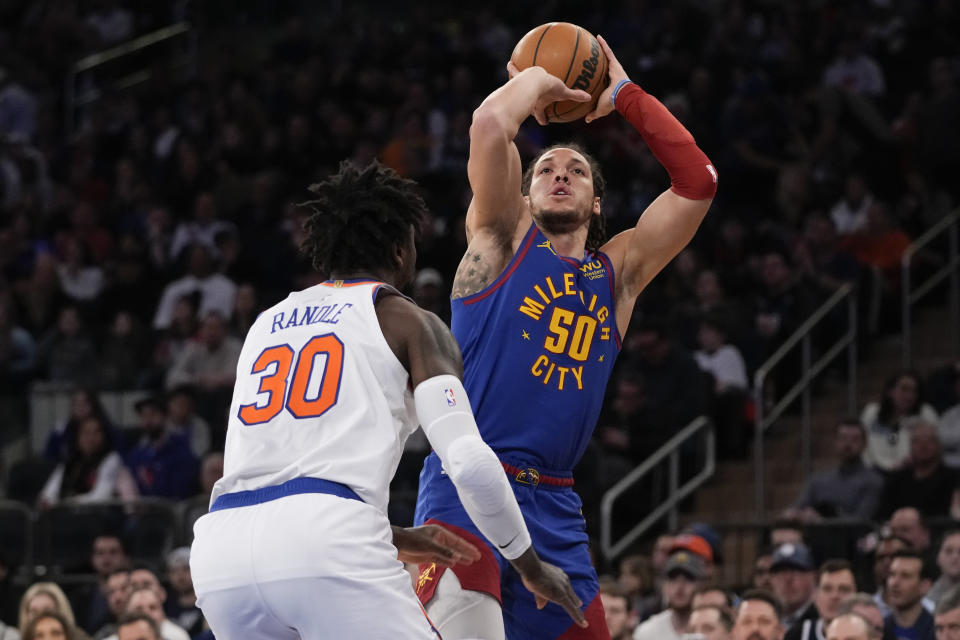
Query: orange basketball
point(571, 54)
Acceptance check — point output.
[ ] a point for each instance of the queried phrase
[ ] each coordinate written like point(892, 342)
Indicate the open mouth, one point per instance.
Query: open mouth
point(561, 191)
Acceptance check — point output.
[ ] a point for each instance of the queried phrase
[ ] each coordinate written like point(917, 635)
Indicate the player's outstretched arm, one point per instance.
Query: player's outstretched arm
point(671, 220)
point(494, 166)
point(428, 350)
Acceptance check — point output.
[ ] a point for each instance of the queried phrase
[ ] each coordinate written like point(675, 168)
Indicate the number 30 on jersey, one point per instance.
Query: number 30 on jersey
point(275, 364)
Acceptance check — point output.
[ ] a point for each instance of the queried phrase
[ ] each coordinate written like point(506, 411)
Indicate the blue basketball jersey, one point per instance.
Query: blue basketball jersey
point(538, 348)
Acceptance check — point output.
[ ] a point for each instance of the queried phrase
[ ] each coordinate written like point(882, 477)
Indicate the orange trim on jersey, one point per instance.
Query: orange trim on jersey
point(343, 284)
point(433, 627)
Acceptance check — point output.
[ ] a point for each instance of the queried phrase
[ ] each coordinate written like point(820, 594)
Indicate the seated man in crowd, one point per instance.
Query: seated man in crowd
point(849, 490)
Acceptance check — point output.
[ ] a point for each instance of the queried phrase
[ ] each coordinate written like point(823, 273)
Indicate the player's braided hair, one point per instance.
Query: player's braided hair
point(597, 232)
point(359, 216)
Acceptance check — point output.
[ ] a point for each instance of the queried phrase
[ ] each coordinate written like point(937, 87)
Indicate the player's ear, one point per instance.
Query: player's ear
point(596, 206)
point(527, 200)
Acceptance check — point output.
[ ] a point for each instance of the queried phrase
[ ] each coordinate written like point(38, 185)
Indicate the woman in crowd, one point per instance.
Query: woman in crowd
point(888, 443)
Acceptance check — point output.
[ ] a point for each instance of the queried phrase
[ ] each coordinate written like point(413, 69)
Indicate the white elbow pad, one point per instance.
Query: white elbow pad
point(444, 412)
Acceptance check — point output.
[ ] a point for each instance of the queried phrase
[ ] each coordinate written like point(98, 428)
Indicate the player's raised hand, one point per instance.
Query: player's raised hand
point(432, 543)
point(616, 73)
point(552, 89)
point(549, 583)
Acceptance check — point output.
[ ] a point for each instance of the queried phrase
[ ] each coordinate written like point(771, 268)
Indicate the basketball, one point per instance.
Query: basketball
point(571, 54)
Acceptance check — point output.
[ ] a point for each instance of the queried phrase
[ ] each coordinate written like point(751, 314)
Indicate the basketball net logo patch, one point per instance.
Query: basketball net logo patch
point(451, 399)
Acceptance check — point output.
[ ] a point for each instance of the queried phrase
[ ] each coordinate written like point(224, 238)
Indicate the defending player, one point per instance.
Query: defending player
point(330, 383)
point(539, 305)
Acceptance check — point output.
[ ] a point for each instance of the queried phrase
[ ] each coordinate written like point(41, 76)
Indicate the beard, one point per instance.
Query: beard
point(756, 635)
point(559, 222)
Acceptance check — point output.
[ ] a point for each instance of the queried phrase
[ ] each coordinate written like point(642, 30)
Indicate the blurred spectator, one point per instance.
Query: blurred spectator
point(636, 580)
point(67, 353)
point(660, 553)
point(430, 293)
point(888, 440)
point(116, 590)
point(850, 490)
point(210, 363)
point(122, 356)
point(849, 214)
point(173, 341)
point(709, 596)
point(924, 482)
point(949, 427)
point(725, 365)
point(108, 555)
point(711, 622)
point(148, 602)
point(84, 403)
point(209, 367)
point(719, 358)
point(184, 420)
point(793, 576)
point(202, 230)
point(855, 71)
point(245, 311)
point(94, 472)
point(138, 626)
point(698, 546)
point(682, 573)
point(50, 625)
point(758, 617)
point(786, 531)
point(669, 373)
point(907, 523)
point(17, 351)
point(835, 582)
point(619, 615)
point(947, 617)
point(862, 604)
point(820, 258)
point(910, 579)
point(622, 429)
point(39, 297)
point(781, 303)
point(162, 462)
point(880, 246)
point(112, 22)
point(948, 561)
point(182, 606)
point(761, 577)
point(41, 598)
point(18, 109)
point(883, 556)
point(216, 292)
point(849, 626)
point(81, 280)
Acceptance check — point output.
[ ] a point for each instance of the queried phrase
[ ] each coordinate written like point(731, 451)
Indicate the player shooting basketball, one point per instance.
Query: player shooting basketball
point(540, 301)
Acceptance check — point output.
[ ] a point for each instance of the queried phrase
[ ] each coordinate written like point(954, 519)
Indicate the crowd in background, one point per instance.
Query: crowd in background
point(139, 242)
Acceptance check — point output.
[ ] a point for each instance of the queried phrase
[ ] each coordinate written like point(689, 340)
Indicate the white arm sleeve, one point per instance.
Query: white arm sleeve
point(444, 412)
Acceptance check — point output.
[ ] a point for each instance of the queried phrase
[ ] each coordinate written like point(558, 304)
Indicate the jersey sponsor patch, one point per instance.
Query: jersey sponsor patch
point(451, 399)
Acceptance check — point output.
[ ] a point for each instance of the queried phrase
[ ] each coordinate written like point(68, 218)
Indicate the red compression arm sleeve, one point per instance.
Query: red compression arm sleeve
point(692, 175)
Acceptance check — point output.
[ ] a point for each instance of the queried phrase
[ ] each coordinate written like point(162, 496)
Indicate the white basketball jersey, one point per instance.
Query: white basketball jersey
point(319, 394)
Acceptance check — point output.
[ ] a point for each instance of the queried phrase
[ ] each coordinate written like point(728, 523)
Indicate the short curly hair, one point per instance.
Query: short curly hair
point(359, 217)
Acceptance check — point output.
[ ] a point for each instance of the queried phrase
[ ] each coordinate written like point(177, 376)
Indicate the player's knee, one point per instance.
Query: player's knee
point(477, 473)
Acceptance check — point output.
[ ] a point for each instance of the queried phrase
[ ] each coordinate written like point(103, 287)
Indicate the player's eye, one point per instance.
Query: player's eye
point(580, 171)
point(545, 170)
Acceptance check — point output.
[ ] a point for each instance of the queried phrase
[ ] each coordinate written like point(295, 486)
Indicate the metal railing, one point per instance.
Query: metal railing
point(809, 371)
point(670, 451)
point(77, 97)
point(910, 295)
